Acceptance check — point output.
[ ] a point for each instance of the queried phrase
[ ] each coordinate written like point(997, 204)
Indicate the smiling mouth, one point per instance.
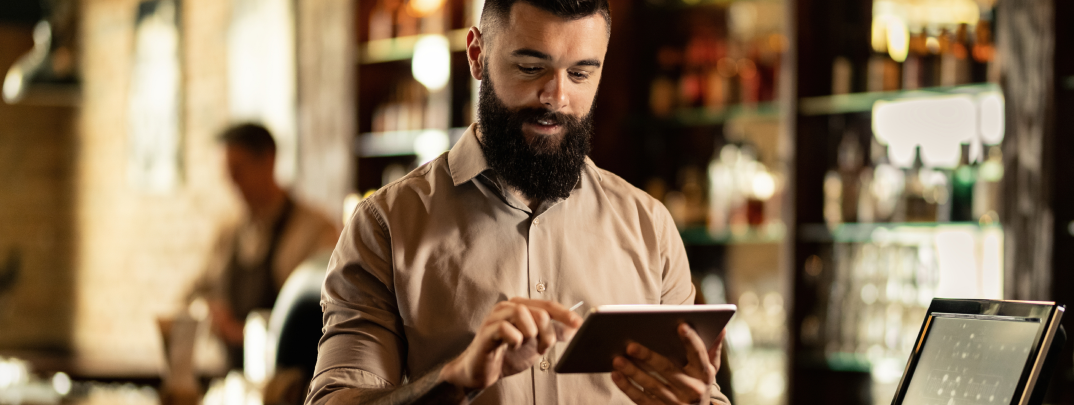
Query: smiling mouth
point(546, 126)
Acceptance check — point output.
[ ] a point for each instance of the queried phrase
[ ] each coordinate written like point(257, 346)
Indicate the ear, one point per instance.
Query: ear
point(474, 49)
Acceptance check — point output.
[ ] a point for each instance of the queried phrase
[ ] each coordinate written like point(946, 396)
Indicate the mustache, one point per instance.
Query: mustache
point(531, 114)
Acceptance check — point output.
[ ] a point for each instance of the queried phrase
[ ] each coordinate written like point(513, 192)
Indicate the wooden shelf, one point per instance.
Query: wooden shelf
point(396, 143)
point(766, 234)
point(868, 232)
point(402, 48)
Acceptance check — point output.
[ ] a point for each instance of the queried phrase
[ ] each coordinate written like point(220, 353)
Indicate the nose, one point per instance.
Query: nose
point(554, 93)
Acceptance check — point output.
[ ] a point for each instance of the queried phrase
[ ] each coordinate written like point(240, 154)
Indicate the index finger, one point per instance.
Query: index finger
point(555, 310)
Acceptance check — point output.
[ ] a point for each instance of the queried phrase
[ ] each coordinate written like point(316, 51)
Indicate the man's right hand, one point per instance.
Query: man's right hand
point(514, 335)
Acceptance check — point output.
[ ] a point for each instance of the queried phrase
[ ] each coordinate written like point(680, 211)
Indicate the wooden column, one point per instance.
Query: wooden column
point(1026, 42)
point(326, 102)
point(1036, 46)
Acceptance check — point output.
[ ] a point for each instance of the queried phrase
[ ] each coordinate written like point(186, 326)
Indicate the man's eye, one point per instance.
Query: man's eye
point(580, 75)
point(529, 69)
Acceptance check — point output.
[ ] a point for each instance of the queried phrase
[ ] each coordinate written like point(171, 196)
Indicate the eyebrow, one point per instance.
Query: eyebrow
point(533, 53)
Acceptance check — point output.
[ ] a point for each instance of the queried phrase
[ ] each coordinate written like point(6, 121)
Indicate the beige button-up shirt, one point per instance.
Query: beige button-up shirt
point(423, 261)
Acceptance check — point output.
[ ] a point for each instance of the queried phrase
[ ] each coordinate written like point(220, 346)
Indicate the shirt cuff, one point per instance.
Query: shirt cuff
point(332, 380)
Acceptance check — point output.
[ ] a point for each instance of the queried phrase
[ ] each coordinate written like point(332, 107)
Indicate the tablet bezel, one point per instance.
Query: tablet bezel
point(607, 327)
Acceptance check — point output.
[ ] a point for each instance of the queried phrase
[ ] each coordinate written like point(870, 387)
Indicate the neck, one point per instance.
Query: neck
point(525, 200)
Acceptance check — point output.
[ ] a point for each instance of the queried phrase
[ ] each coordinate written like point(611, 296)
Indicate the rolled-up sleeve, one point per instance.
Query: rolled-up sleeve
point(363, 344)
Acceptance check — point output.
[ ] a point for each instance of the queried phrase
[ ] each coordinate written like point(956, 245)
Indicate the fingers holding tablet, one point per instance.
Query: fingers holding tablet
point(698, 365)
point(660, 378)
point(628, 376)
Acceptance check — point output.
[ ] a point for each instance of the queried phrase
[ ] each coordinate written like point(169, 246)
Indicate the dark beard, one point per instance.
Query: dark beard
point(543, 170)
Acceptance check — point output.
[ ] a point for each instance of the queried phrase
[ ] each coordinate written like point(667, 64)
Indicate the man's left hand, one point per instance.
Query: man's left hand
point(663, 382)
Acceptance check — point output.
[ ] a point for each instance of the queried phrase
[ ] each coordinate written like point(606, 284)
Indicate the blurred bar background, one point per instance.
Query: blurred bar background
point(832, 165)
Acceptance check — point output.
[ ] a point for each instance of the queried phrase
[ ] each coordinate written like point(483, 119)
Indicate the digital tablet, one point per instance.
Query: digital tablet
point(608, 328)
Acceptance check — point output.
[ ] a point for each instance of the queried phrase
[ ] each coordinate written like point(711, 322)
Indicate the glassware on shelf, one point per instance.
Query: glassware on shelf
point(404, 110)
point(739, 189)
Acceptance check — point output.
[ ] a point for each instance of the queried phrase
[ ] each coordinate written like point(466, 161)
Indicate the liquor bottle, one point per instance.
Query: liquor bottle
point(983, 52)
point(962, 182)
point(663, 92)
point(986, 192)
point(918, 206)
point(750, 81)
point(842, 74)
point(961, 51)
point(850, 160)
point(875, 73)
point(911, 68)
point(930, 62)
point(406, 24)
point(380, 20)
point(721, 189)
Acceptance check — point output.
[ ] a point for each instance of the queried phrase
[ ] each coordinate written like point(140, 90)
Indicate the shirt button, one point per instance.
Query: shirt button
point(540, 287)
point(536, 221)
point(545, 364)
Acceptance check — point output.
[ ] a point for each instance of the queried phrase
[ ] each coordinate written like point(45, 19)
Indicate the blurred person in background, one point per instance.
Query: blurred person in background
point(447, 285)
point(251, 261)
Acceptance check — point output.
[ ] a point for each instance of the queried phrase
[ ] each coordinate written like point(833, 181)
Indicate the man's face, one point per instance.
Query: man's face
point(249, 171)
point(539, 78)
point(542, 61)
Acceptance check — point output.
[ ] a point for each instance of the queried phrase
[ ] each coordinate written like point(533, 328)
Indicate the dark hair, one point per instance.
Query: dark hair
point(251, 137)
point(496, 12)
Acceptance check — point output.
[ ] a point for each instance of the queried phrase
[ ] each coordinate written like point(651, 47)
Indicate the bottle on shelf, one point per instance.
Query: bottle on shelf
point(842, 75)
point(850, 160)
point(405, 108)
point(662, 91)
point(380, 19)
point(962, 184)
point(406, 24)
point(986, 190)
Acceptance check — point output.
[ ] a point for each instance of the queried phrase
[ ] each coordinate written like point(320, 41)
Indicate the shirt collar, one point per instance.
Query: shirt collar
point(466, 160)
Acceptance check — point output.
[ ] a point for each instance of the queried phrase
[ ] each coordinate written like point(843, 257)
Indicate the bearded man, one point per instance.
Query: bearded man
point(449, 285)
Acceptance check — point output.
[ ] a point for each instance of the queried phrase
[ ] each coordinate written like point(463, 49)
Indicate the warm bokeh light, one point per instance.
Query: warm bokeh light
point(430, 144)
point(898, 39)
point(764, 186)
point(431, 65)
point(255, 339)
point(894, 19)
point(421, 8)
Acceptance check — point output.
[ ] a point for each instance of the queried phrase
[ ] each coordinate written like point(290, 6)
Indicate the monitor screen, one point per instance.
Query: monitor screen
point(972, 359)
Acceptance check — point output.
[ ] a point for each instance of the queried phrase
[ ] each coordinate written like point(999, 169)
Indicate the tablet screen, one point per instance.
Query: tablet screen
point(972, 360)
